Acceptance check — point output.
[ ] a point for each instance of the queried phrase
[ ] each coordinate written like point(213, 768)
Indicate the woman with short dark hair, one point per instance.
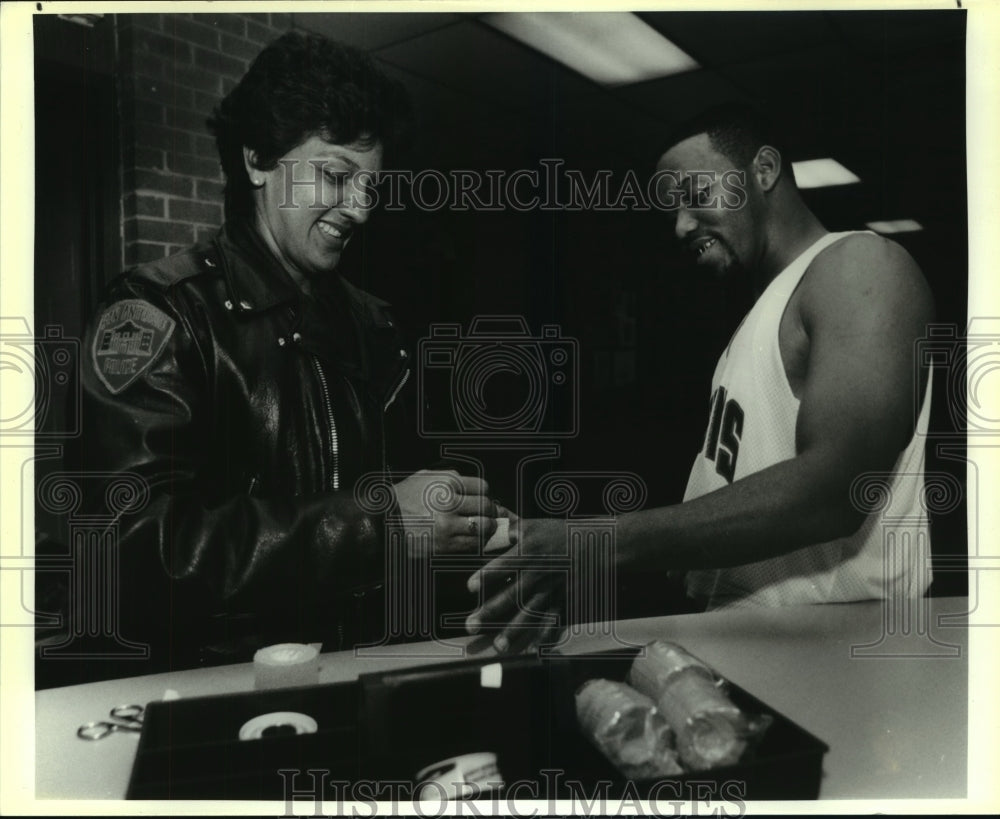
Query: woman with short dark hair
point(243, 387)
point(304, 85)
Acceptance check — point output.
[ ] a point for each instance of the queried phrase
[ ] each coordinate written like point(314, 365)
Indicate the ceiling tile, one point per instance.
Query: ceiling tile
point(474, 58)
point(672, 99)
point(720, 38)
point(453, 129)
point(372, 31)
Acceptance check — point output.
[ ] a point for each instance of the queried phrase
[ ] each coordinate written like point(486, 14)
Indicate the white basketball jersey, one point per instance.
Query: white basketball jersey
point(752, 426)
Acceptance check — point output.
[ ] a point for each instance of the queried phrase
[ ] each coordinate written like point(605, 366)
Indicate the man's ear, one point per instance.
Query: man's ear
point(767, 167)
point(250, 164)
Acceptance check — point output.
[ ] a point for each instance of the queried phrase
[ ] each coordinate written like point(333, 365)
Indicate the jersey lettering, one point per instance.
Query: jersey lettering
point(725, 431)
point(714, 420)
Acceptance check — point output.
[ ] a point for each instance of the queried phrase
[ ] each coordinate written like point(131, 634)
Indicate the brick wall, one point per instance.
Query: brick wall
point(174, 69)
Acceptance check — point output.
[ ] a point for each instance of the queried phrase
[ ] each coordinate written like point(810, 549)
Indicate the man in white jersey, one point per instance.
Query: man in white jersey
point(813, 395)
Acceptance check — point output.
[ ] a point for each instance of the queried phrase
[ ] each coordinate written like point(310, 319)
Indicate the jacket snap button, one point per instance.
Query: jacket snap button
point(244, 304)
point(403, 354)
point(281, 341)
point(209, 262)
point(229, 304)
point(296, 337)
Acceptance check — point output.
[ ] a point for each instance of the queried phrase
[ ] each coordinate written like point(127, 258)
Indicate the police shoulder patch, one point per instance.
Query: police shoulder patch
point(130, 336)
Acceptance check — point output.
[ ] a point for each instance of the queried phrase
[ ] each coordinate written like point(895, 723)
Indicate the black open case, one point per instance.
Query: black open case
point(385, 727)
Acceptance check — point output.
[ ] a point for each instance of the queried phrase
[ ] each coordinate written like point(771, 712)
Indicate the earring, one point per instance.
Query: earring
point(256, 181)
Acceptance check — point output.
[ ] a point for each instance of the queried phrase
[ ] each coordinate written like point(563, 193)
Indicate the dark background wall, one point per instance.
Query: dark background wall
point(882, 92)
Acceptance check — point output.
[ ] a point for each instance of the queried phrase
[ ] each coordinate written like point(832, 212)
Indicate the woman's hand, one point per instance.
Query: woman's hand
point(463, 515)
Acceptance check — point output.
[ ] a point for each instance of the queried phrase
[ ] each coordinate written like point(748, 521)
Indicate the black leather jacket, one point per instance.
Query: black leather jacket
point(254, 412)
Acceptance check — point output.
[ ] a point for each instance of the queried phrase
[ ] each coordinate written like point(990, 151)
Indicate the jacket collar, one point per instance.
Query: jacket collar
point(256, 280)
point(254, 277)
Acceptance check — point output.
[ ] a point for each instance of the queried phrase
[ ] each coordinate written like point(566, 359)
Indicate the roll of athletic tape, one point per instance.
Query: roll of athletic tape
point(468, 776)
point(276, 724)
point(286, 664)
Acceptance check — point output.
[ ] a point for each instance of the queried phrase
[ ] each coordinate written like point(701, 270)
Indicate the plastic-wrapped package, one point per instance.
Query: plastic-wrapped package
point(627, 728)
point(710, 730)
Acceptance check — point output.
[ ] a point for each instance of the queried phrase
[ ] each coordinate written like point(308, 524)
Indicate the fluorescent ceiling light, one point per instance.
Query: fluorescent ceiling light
point(896, 226)
point(612, 48)
point(822, 173)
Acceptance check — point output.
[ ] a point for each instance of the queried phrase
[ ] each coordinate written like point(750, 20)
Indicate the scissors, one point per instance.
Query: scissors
point(129, 718)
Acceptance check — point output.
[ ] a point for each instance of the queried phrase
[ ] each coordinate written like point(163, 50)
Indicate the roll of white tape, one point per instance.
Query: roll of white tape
point(278, 723)
point(286, 664)
point(461, 777)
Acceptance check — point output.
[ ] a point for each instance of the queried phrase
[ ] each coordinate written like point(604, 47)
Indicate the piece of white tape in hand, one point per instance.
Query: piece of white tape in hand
point(500, 541)
point(491, 675)
point(286, 664)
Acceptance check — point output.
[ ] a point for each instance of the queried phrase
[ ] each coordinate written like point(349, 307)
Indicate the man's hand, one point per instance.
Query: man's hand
point(523, 590)
point(464, 516)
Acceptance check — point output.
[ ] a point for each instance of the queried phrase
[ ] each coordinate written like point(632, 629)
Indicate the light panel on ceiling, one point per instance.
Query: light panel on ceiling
point(611, 48)
point(895, 226)
point(822, 173)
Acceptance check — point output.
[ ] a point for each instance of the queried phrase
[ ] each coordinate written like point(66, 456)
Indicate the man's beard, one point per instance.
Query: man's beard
point(731, 265)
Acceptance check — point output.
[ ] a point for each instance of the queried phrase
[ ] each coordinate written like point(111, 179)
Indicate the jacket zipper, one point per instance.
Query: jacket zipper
point(334, 441)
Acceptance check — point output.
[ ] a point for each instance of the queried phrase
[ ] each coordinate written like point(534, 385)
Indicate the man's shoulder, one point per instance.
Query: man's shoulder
point(863, 245)
point(865, 268)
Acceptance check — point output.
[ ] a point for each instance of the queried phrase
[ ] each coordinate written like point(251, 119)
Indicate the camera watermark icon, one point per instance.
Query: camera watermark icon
point(906, 557)
point(39, 383)
point(966, 369)
point(498, 381)
point(93, 565)
point(591, 542)
point(586, 568)
point(969, 364)
point(409, 563)
point(979, 563)
point(39, 410)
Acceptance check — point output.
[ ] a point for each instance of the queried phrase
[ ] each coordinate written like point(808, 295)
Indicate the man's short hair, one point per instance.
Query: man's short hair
point(299, 86)
point(736, 130)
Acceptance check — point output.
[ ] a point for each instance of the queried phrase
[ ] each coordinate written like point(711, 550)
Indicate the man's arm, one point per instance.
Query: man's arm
point(863, 305)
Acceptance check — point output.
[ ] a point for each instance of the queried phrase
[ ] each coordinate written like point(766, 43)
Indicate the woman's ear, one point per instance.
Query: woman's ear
point(767, 167)
point(255, 175)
